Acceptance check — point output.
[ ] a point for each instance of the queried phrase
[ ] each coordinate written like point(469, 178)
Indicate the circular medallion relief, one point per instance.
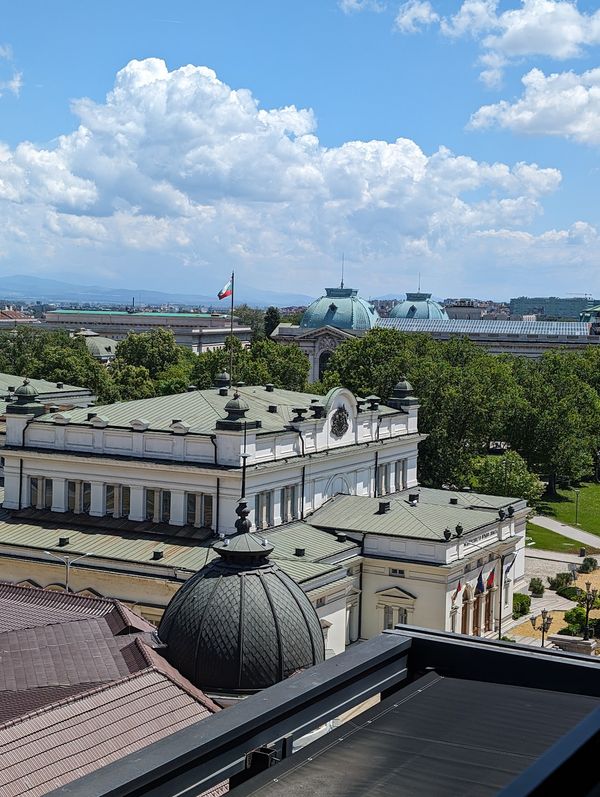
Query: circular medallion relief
point(339, 422)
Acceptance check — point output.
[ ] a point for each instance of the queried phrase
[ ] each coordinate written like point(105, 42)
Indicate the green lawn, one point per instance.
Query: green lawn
point(563, 507)
point(551, 541)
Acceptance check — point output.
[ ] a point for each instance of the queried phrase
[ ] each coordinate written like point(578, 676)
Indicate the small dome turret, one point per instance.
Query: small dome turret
point(419, 305)
point(26, 392)
point(236, 408)
point(241, 624)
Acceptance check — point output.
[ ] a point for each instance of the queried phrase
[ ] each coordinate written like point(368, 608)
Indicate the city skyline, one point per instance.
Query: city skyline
point(455, 141)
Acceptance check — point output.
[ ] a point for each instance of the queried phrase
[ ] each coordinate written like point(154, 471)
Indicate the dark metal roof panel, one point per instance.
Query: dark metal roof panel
point(441, 736)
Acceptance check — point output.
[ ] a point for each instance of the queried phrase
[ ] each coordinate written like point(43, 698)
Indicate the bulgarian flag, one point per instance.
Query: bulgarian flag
point(226, 290)
point(458, 589)
point(490, 580)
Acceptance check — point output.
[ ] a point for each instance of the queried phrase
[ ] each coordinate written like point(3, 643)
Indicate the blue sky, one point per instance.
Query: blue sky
point(287, 153)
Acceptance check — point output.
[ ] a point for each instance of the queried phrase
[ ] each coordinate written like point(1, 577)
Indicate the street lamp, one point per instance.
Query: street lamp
point(588, 600)
point(576, 506)
point(67, 561)
point(544, 625)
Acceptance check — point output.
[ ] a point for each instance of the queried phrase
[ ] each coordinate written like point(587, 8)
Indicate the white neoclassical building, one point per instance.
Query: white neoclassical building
point(134, 493)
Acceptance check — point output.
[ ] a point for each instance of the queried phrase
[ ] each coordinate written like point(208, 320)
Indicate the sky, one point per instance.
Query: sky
point(159, 146)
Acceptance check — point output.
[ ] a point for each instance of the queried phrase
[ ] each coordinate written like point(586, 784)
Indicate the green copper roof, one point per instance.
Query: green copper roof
point(426, 521)
point(201, 409)
point(76, 313)
point(418, 305)
point(342, 308)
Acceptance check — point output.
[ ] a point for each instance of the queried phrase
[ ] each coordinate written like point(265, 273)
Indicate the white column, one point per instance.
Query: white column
point(77, 502)
point(178, 508)
point(41, 492)
point(156, 508)
point(137, 507)
point(98, 500)
point(59, 495)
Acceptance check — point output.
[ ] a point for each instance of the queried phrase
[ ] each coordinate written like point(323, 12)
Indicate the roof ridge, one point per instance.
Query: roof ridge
point(33, 589)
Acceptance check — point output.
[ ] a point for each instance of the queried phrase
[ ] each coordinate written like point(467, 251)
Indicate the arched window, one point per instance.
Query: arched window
point(324, 358)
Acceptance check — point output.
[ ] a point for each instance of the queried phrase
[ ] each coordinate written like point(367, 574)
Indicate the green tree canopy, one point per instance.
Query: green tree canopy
point(272, 319)
point(156, 350)
point(505, 475)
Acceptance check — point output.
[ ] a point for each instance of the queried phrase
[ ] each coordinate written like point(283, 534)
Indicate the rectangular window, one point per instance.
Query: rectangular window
point(48, 493)
point(388, 617)
point(395, 571)
point(199, 510)
point(34, 484)
point(288, 503)
point(321, 601)
point(71, 503)
point(86, 497)
point(400, 475)
point(403, 616)
point(110, 499)
point(125, 501)
point(263, 510)
point(158, 505)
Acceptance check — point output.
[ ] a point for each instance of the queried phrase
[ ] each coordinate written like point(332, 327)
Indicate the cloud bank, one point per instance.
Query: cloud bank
point(177, 176)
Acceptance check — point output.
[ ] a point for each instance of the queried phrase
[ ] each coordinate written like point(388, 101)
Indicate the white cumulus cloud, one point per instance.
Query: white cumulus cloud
point(415, 14)
point(177, 173)
point(564, 104)
point(552, 28)
point(10, 78)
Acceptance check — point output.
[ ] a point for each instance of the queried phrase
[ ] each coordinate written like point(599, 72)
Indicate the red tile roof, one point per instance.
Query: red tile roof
point(81, 685)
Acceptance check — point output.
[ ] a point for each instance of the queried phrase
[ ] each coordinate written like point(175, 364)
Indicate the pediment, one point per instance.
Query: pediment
point(396, 592)
point(327, 331)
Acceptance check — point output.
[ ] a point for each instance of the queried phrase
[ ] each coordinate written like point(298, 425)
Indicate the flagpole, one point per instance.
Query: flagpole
point(231, 331)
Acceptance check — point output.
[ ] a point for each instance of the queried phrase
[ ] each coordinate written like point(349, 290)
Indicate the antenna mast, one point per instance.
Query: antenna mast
point(342, 284)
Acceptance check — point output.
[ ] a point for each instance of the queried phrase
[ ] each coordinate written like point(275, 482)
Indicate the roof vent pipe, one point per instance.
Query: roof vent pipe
point(192, 388)
point(454, 500)
point(384, 507)
point(299, 551)
point(59, 385)
point(157, 554)
point(62, 541)
point(272, 408)
point(269, 387)
point(413, 498)
point(341, 537)
point(223, 391)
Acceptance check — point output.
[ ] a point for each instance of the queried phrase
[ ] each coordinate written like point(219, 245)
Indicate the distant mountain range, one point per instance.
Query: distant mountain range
point(29, 288)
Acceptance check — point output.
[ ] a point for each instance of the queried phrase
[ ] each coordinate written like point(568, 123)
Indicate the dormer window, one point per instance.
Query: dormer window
point(333, 307)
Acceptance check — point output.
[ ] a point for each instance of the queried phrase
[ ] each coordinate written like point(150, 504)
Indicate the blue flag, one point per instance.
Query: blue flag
point(480, 588)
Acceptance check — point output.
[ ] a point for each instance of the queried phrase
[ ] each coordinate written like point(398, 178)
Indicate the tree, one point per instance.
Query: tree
point(558, 428)
point(265, 361)
point(272, 320)
point(505, 475)
point(156, 350)
point(132, 381)
point(251, 317)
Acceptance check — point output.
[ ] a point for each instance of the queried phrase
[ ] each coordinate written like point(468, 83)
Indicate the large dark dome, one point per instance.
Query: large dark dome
point(241, 624)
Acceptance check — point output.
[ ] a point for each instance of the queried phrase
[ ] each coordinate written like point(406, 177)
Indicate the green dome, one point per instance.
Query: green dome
point(26, 391)
point(419, 305)
point(342, 308)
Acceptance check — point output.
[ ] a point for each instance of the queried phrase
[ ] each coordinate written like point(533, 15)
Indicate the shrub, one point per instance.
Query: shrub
point(570, 593)
point(569, 630)
point(588, 565)
point(536, 587)
point(561, 580)
point(521, 605)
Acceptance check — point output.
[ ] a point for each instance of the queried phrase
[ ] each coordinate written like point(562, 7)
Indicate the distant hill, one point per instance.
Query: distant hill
point(24, 287)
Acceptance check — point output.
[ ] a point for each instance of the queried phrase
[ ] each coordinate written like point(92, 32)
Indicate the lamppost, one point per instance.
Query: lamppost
point(67, 561)
point(545, 623)
point(588, 600)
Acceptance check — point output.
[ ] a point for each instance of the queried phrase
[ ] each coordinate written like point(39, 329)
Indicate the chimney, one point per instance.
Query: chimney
point(223, 391)
point(62, 541)
point(413, 498)
point(299, 551)
point(269, 387)
point(454, 500)
point(384, 507)
point(157, 555)
point(341, 537)
point(272, 408)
